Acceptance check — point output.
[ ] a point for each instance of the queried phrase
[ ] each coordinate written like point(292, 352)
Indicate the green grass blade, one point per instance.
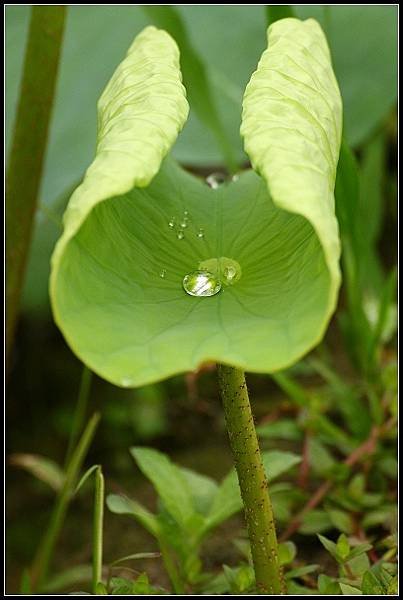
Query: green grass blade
point(44, 554)
point(98, 529)
point(80, 410)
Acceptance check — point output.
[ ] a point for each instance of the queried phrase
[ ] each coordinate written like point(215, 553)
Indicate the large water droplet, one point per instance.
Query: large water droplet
point(201, 283)
point(215, 180)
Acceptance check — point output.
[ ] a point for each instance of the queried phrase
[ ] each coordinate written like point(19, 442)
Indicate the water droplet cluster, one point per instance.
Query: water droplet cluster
point(213, 273)
point(181, 224)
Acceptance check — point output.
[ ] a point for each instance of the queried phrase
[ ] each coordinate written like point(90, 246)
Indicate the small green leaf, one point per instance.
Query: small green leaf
point(170, 483)
point(341, 519)
point(142, 586)
point(371, 586)
point(120, 586)
point(314, 521)
point(240, 578)
point(300, 571)
point(349, 590)
point(203, 490)
point(328, 586)
point(41, 467)
point(356, 486)
point(384, 515)
point(360, 549)
point(121, 505)
point(227, 501)
point(277, 462)
point(342, 547)
point(284, 429)
point(287, 551)
point(357, 566)
point(330, 546)
point(320, 459)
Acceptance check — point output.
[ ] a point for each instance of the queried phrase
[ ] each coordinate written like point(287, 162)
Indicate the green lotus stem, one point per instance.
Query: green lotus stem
point(252, 479)
point(43, 556)
point(98, 529)
point(28, 146)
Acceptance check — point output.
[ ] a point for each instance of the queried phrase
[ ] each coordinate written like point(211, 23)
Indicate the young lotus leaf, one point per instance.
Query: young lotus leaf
point(139, 224)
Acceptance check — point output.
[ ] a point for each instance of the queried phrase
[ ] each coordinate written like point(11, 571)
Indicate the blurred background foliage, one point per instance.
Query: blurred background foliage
point(333, 398)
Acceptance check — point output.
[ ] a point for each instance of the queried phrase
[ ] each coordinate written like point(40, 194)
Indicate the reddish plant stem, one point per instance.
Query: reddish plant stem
point(368, 447)
point(304, 466)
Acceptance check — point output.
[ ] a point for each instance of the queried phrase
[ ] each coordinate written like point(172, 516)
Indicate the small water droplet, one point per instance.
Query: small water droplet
point(230, 273)
point(185, 213)
point(215, 180)
point(180, 235)
point(163, 272)
point(126, 381)
point(235, 178)
point(184, 224)
point(171, 223)
point(201, 283)
point(200, 233)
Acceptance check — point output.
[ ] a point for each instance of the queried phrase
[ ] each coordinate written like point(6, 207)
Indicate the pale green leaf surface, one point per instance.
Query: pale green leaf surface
point(123, 320)
point(291, 124)
point(140, 114)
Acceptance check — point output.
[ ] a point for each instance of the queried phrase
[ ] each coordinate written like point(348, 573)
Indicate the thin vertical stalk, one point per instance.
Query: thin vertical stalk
point(252, 480)
point(43, 556)
point(28, 146)
point(80, 410)
point(98, 529)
